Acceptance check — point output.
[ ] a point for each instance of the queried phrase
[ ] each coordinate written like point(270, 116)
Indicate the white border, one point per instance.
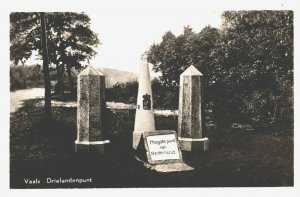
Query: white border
point(57, 5)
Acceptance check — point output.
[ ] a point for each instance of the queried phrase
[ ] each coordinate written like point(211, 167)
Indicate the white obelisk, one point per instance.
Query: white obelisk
point(144, 117)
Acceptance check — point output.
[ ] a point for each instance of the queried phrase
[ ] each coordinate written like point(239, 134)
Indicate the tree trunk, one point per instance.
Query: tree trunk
point(60, 69)
point(60, 83)
point(47, 79)
point(72, 84)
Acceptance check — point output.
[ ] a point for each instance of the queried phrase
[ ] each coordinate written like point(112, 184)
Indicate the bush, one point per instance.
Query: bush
point(123, 92)
point(163, 98)
point(22, 77)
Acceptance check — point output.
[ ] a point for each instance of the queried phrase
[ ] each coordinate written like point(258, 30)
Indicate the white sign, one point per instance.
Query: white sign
point(163, 147)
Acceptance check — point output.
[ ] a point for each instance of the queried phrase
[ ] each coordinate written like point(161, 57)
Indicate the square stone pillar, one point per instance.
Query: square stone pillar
point(91, 106)
point(189, 112)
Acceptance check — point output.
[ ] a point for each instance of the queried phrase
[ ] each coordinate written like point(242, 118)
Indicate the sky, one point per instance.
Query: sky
point(127, 32)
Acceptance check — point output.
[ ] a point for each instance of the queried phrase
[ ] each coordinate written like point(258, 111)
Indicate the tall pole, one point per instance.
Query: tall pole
point(46, 67)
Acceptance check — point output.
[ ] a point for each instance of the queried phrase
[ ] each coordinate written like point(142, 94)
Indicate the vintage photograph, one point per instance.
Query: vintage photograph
point(150, 97)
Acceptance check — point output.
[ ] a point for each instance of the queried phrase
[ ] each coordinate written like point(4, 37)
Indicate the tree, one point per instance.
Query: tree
point(175, 54)
point(27, 33)
point(256, 57)
point(71, 41)
point(247, 66)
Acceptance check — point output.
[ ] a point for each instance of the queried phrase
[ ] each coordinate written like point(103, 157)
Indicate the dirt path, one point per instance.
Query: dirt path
point(17, 97)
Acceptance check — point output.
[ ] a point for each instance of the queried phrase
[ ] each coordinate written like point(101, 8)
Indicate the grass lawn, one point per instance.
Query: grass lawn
point(237, 157)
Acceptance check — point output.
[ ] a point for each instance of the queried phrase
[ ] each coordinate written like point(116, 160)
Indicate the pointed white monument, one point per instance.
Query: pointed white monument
point(91, 105)
point(144, 118)
point(161, 147)
point(190, 112)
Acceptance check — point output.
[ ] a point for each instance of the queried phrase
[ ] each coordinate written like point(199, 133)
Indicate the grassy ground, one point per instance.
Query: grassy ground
point(46, 150)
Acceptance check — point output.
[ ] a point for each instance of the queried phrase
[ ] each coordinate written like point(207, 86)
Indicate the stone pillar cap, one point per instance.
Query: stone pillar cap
point(192, 70)
point(90, 70)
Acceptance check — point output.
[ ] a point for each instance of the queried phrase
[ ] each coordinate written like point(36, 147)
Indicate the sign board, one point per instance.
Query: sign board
point(162, 147)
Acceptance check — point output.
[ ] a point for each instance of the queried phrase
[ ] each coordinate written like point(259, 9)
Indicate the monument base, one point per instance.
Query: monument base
point(192, 144)
point(136, 138)
point(96, 147)
point(165, 168)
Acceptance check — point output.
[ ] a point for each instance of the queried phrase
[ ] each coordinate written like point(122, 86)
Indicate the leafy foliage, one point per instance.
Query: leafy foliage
point(127, 93)
point(22, 77)
point(123, 92)
point(69, 37)
point(175, 54)
point(247, 66)
point(257, 69)
point(71, 42)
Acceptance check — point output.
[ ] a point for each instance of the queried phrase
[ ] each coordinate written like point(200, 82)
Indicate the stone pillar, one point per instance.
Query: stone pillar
point(91, 106)
point(144, 117)
point(189, 113)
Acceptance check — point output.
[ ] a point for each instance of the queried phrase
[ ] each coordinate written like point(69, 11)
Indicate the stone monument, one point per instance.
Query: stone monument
point(144, 117)
point(91, 105)
point(190, 113)
point(158, 150)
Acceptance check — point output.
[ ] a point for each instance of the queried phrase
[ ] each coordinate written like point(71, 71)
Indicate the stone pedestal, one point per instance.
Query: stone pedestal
point(194, 144)
point(91, 106)
point(92, 147)
point(144, 118)
point(189, 113)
